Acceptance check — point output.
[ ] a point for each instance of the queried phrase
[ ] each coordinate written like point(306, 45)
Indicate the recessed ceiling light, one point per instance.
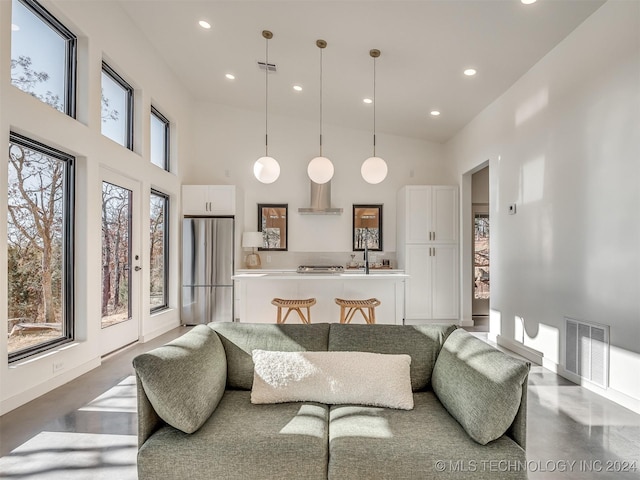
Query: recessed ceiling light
point(204, 24)
point(14, 27)
point(470, 72)
point(297, 88)
point(528, 2)
point(435, 113)
point(367, 100)
point(230, 76)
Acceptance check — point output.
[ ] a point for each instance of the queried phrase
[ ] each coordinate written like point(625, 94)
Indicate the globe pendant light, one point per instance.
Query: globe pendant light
point(320, 169)
point(266, 169)
point(374, 169)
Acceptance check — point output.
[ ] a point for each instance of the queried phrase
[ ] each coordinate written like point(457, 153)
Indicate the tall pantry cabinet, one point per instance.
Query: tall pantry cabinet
point(427, 249)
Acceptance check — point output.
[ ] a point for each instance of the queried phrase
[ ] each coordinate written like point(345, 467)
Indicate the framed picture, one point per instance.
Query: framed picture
point(273, 223)
point(367, 227)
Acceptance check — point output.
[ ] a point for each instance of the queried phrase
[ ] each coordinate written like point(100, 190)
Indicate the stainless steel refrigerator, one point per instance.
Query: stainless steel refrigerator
point(207, 268)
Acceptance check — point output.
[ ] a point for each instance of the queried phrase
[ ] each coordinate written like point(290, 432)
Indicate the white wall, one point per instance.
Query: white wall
point(103, 32)
point(229, 140)
point(563, 144)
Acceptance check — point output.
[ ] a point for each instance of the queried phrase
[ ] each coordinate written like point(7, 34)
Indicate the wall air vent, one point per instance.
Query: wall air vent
point(587, 350)
point(271, 67)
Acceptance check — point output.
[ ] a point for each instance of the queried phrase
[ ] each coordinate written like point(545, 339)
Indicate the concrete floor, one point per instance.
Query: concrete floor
point(572, 432)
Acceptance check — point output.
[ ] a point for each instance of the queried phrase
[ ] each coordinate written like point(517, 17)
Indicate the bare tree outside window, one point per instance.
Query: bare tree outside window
point(43, 56)
point(40, 189)
point(116, 254)
point(117, 107)
point(35, 242)
point(481, 257)
point(158, 251)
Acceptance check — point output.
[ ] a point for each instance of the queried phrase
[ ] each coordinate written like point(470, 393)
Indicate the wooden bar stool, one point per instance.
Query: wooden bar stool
point(348, 308)
point(294, 305)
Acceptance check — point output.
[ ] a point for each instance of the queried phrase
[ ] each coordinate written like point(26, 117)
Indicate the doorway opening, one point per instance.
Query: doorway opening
point(475, 258)
point(480, 248)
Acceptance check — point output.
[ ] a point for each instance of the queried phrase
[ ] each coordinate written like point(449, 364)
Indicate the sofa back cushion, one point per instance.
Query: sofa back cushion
point(479, 386)
point(421, 342)
point(184, 380)
point(240, 339)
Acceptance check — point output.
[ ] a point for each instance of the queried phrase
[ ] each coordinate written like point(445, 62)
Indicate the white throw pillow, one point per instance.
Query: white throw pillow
point(332, 377)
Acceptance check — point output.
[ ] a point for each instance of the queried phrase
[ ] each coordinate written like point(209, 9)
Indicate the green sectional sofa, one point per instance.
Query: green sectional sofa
point(197, 420)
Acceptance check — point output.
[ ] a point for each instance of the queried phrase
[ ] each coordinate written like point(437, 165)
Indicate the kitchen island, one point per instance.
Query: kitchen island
point(256, 288)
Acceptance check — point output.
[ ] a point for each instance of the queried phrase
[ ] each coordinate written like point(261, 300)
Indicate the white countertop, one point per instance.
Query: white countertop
point(241, 271)
point(292, 275)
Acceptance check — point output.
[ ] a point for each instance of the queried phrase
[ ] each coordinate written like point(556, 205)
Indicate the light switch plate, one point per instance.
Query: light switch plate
point(511, 209)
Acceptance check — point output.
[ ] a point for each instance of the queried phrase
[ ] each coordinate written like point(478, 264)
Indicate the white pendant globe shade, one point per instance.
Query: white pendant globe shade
point(374, 170)
point(320, 170)
point(266, 169)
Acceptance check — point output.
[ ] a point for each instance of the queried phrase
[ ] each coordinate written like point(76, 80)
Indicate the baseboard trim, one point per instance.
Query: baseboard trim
point(527, 352)
point(22, 398)
point(538, 358)
point(161, 330)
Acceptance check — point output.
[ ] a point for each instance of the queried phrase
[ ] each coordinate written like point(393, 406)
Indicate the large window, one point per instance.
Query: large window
point(117, 108)
point(40, 247)
point(159, 140)
point(43, 56)
point(159, 231)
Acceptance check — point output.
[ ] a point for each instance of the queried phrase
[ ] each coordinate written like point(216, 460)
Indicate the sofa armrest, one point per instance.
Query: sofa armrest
point(483, 388)
point(148, 420)
point(181, 382)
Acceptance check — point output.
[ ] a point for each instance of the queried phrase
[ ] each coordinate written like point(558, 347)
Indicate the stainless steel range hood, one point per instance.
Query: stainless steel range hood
point(320, 200)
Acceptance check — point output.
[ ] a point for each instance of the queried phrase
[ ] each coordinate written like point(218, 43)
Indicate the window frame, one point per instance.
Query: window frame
point(68, 248)
point(167, 131)
point(129, 102)
point(71, 56)
point(165, 253)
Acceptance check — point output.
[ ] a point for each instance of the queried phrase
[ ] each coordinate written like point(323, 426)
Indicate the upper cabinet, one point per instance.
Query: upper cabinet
point(428, 214)
point(208, 199)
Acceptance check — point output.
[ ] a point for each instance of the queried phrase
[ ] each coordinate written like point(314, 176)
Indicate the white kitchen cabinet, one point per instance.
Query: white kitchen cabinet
point(431, 291)
point(208, 200)
point(427, 249)
point(430, 214)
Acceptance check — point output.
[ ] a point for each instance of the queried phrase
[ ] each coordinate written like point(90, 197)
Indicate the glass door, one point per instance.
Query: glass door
point(481, 280)
point(120, 292)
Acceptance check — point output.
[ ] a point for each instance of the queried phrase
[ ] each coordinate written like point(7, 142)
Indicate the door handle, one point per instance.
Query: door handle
point(137, 268)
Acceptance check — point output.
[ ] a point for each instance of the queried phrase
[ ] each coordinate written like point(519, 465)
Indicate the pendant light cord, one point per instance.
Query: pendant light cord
point(266, 99)
point(374, 106)
point(320, 101)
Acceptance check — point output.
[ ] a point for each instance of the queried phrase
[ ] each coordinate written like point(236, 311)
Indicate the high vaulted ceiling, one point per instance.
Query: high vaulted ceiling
point(425, 47)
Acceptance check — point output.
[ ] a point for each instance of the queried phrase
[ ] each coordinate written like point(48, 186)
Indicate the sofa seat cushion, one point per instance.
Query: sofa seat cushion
point(193, 363)
point(332, 377)
point(421, 342)
point(371, 442)
point(240, 339)
point(480, 386)
point(241, 440)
